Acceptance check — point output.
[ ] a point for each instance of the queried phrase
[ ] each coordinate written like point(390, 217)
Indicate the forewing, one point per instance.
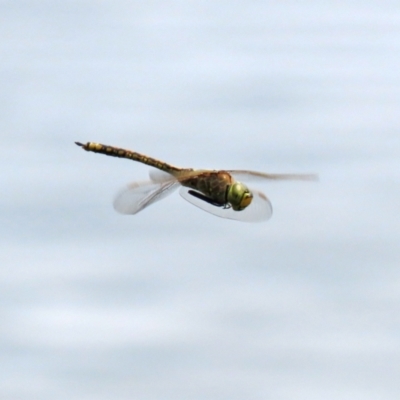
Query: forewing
point(254, 176)
point(259, 210)
point(138, 195)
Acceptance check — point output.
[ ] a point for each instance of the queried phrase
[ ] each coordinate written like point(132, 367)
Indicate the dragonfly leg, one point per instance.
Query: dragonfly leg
point(205, 198)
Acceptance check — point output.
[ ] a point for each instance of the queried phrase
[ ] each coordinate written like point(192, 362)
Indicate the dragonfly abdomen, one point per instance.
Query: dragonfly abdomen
point(131, 155)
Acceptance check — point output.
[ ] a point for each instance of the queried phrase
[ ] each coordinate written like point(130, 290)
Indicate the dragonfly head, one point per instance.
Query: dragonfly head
point(239, 196)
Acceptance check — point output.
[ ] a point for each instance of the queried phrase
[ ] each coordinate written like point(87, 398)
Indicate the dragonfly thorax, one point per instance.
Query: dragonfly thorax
point(239, 196)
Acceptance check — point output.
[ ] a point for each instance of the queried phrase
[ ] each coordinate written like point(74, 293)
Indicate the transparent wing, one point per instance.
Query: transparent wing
point(138, 195)
point(260, 208)
point(159, 176)
point(254, 176)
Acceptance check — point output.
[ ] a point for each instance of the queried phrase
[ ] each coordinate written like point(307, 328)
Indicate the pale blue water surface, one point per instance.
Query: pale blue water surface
point(174, 303)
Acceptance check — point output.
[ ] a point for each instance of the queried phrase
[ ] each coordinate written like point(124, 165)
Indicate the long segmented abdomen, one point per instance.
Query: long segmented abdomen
point(131, 155)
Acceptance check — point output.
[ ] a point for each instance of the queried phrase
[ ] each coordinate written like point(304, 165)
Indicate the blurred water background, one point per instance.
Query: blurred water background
point(175, 303)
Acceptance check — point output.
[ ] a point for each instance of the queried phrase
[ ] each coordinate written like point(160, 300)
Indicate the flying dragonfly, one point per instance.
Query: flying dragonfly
point(219, 192)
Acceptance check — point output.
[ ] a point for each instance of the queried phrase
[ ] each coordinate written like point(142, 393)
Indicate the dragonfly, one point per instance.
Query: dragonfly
point(219, 192)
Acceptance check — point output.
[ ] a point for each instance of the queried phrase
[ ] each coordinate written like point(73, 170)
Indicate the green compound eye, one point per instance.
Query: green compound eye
point(246, 200)
point(239, 196)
